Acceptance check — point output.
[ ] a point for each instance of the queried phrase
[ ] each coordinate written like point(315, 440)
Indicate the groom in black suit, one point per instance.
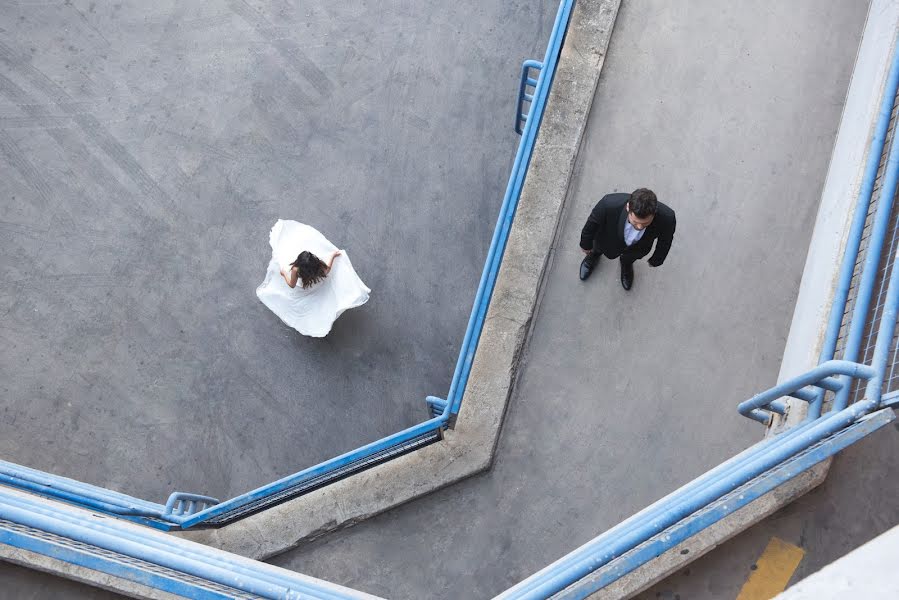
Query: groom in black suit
point(625, 225)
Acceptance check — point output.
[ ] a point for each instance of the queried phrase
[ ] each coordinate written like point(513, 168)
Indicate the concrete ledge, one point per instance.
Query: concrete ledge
point(468, 449)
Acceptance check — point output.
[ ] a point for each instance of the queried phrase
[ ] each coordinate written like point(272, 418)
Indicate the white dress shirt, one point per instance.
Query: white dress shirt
point(631, 234)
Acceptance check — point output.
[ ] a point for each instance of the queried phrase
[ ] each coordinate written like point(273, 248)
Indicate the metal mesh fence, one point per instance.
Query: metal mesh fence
point(888, 256)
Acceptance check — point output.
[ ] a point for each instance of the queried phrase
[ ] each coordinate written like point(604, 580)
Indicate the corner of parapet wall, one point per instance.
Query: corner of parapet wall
point(468, 448)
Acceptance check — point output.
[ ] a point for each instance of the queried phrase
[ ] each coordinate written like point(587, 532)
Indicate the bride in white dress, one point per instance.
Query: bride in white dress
point(309, 282)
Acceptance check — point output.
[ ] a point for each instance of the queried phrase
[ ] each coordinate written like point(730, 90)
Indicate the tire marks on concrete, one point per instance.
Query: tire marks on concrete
point(20, 229)
point(77, 151)
point(31, 174)
point(288, 48)
point(91, 127)
point(95, 131)
point(36, 122)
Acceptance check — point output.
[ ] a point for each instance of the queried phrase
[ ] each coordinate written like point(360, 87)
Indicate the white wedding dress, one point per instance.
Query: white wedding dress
point(311, 311)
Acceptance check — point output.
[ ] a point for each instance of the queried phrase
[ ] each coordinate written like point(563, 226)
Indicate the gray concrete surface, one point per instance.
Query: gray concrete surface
point(733, 129)
point(145, 151)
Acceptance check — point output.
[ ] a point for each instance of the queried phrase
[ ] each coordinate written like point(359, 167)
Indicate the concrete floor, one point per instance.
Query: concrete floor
point(729, 113)
point(145, 151)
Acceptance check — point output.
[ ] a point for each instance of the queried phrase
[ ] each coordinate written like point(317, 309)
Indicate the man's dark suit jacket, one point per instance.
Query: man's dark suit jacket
point(604, 231)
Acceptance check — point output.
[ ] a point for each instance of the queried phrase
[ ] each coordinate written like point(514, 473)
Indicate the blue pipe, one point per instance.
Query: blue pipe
point(76, 491)
point(800, 432)
point(887, 327)
point(855, 234)
point(171, 552)
point(120, 545)
point(522, 86)
point(831, 367)
point(391, 441)
point(507, 211)
point(869, 274)
point(599, 551)
point(77, 498)
point(108, 563)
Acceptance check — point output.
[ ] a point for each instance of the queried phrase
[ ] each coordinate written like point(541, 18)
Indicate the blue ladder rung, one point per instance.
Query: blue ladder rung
point(890, 400)
point(805, 394)
point(830, 383)
point(532, 82)
point(436, 405)
point(183, 504)
point(778, 407)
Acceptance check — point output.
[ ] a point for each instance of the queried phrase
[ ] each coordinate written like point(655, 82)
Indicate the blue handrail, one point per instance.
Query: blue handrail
point(526, 81)
point(820, 378)
point(853, 243)
point(158, 552)
point(449, 407)
point(431, 426)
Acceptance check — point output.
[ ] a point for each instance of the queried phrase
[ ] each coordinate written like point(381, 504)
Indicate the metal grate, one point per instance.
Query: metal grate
point(137, 563)
point(314, 483)
point(888, 257)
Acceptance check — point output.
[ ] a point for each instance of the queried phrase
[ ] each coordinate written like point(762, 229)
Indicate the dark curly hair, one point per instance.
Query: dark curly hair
point(310, 268)
point(643, 203)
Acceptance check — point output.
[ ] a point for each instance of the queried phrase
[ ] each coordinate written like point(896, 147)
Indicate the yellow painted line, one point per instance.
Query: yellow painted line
point(774, 568)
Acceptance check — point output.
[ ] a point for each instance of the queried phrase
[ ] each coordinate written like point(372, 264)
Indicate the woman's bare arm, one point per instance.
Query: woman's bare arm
point(334, 255)
point(293, 278)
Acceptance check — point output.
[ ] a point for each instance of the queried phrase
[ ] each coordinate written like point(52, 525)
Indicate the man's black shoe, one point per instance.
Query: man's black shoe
point(627, 275)
point(587, 267)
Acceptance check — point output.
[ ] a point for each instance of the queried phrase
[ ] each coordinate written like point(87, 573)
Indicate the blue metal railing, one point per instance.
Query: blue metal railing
point(521, 115)
point(807, 387)
point(160, 561)
point(184, 510)
point(856, 230)
point(178, 507)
